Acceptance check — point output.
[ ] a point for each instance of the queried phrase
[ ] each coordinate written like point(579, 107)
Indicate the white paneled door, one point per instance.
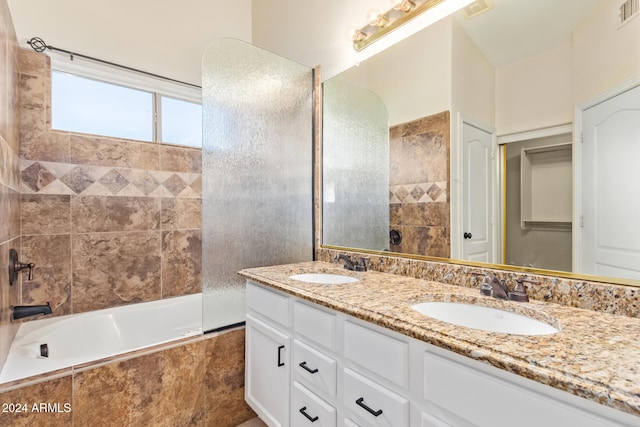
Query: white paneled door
point(478, 194)
point(609, 219)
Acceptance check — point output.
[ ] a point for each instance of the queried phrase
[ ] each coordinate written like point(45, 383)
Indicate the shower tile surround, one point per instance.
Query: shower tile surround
point(419, 185)
point(107, 221)
point(9, 173)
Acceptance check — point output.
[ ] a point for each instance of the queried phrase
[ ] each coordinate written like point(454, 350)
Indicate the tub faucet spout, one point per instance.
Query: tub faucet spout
point(22, 311)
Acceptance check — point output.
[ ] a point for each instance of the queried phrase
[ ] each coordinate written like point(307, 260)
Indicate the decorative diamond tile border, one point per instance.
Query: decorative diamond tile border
point(426, 192)
point(62, 178)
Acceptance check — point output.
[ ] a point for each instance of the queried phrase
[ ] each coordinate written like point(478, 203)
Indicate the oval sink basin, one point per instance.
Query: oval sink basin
point(484, 318)
point(324, 278)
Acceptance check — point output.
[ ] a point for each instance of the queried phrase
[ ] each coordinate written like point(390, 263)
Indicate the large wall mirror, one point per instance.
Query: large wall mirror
point(519, 75)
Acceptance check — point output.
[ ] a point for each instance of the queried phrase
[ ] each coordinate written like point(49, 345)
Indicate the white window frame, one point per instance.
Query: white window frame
point(158, 87)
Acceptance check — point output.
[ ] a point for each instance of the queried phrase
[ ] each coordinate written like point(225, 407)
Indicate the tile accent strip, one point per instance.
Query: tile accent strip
point(39, 177)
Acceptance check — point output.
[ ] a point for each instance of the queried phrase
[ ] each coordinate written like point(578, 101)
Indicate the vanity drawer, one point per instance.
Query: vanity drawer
point(381, 354)
point(309, 409)
point(315, 325)
point(268, 303)
point(314, 368)
point(373, 403)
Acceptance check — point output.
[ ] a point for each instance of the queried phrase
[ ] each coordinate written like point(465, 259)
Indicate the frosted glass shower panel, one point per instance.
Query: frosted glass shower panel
point(355, 207)
point(256, 158)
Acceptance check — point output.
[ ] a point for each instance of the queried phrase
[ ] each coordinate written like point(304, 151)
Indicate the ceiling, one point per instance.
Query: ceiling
point(517, 29)
point(169, 37)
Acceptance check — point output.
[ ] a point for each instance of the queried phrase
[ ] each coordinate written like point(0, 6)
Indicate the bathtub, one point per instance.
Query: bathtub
point(81, 338)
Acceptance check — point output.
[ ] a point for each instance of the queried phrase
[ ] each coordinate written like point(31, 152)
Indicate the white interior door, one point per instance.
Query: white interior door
point(477, 194)
point(610, 188)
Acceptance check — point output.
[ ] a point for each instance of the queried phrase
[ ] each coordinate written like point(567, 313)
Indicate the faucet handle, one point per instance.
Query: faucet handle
point(362, 264)
point(15, 266)
point(519, 292)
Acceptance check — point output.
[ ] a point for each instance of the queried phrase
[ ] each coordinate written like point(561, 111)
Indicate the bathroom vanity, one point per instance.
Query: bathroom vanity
point(357, 354)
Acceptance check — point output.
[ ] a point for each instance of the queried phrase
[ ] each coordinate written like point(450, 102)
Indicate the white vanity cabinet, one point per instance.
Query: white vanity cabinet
point(307, 365)
point(268, 347)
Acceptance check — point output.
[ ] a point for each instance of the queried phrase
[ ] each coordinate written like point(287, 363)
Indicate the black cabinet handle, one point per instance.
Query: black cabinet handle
point(467, 235)
point(304, 366)
point(360, 403)
point(280, 362)
point(303, 411)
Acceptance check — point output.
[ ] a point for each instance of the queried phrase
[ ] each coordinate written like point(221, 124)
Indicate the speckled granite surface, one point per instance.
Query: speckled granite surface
point(595, 355)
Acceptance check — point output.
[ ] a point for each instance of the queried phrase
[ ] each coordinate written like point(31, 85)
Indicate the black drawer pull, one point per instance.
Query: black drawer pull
point(360, 403)
point(303, 411)
point(280, 362)
point(304, 366)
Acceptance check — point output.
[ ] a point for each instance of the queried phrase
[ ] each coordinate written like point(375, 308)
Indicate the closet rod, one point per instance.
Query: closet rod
point(39, 45)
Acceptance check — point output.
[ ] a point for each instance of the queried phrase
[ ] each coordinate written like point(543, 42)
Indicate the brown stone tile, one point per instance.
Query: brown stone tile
point(95, 150)
point(395, 214)
point(36, 177)
point(5, 208)
point(181, 262)
point(8, 297)
point(113, 269)
point(427, 241)
point(102, 396)
point(426, 214)
point(419, 150)
point(33, 63)
point(224, 380)
point(78, 179)
point(180, 159)
point(32, 92)
point(179, 397)
point(164, 388)
point(56, 394)
point(52, 274)
point(46, 214)
point(179, 214)
point(102, 214)
point(37, 144)
point(196, 185)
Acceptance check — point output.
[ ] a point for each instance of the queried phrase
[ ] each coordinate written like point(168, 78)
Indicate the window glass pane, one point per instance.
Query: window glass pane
point(89, 106)
point(181, 122)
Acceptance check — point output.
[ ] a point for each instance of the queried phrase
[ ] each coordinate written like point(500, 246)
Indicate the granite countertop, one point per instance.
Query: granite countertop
point(595, 355)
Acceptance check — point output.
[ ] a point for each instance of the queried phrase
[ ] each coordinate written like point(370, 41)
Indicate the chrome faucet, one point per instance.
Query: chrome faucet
point(351, 264)
point(22, 311)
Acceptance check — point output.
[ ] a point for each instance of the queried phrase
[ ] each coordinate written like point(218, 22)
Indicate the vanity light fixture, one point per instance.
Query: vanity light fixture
point(401, 11)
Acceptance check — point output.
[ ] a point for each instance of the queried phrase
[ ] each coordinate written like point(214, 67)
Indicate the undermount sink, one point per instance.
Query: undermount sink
point(484, 318)
point(324, 278)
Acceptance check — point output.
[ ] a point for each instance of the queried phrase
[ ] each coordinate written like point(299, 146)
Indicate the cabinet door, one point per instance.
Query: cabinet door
point(267, 372)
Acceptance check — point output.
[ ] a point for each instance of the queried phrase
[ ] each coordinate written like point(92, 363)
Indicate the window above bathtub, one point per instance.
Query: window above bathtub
point(108, 101)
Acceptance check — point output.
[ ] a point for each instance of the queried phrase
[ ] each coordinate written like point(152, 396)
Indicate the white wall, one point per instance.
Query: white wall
point(152, 36)
point(536, 92)
point(604, 55)
point(414, 78)
point(315, 32)
point(473, 79)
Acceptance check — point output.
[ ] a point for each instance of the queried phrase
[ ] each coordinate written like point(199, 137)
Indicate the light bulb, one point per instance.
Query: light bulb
point(377, 19)
point(403, 5)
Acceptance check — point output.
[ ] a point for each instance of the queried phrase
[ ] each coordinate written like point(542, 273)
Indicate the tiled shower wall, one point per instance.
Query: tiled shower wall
point(419, 185)
point(9, 173)
point(107, 221)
